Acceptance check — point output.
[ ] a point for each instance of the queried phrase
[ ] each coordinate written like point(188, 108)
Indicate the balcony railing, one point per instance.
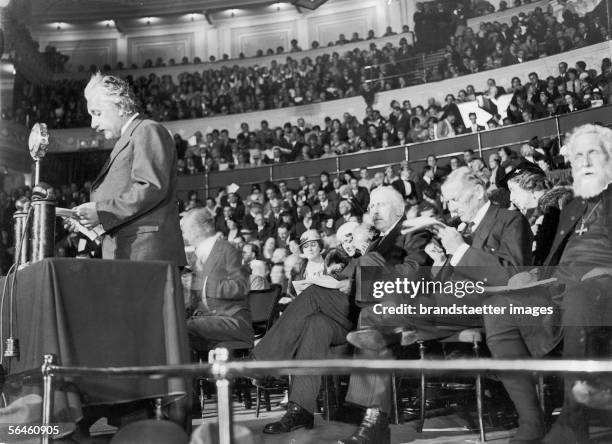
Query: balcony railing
point(416, 153)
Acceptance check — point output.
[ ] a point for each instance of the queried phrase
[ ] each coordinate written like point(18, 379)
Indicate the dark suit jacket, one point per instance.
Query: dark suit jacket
point(135, 195)
point(330, 212)
point(395, 255)
point(569, 218)
point(479, 128)
point(227, 285)
point(401, 187)
point(362, 199)
point(500, 245)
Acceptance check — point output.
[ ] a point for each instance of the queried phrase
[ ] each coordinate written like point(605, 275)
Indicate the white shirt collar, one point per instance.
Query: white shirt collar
point(480, 214)
point(126, 124)
point(204, 248)
point(390, 229)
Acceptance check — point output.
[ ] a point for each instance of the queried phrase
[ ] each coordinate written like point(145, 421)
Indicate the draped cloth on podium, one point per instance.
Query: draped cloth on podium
point(99, 313)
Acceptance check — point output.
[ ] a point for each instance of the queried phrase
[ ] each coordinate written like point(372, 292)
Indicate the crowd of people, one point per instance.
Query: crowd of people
point(492, 222)
point(527, 37)
point(574, 88)
point(335, 75)
point(472, 220)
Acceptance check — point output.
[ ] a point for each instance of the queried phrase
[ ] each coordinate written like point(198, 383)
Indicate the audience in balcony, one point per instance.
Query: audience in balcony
point(229, 90)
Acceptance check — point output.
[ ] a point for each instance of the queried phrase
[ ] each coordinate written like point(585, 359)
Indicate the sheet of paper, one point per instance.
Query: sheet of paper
point(91, 233)
point(64, 212)
point(421, 223)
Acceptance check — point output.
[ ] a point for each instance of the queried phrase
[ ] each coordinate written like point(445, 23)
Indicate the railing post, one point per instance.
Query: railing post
point(406, 155)
point(224, 394)
point(206, 185)
point(609, 20)
point(271, 174)
point(47, 405)
point(479, 134)
point(558, 129)
point(337, 165)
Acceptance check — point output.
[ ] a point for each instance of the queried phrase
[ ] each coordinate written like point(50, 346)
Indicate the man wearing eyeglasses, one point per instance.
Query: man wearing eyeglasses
point(320, 317)
point(490, 243)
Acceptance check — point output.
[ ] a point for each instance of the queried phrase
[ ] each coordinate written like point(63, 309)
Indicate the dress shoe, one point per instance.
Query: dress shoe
point(374, 429)
point(373, 339)
point(295, 418)
point(592, 395)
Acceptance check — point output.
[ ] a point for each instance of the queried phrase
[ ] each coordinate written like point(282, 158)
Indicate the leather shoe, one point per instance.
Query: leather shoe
point(295, 418)
point(372, 339)
point(374, 429)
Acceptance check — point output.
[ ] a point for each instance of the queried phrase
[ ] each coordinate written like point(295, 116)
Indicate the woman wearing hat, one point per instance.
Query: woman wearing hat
point(532, 194)
point(313, 264)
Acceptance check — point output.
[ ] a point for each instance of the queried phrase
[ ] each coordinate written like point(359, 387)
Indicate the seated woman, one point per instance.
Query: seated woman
point(532, 194)
point(313, 264)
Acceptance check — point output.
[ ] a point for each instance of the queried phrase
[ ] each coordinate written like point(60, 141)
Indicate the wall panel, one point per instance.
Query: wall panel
point(97, 52)
point(166, 46)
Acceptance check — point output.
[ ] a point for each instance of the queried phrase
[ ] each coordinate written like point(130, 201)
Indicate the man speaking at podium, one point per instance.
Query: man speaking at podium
point(133, 199)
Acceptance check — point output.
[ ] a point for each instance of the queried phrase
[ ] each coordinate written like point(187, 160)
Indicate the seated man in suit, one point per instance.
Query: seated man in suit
point(492, 244)
point(320, 317)
point(473, 127)
point(406, 186)
point(219, 286)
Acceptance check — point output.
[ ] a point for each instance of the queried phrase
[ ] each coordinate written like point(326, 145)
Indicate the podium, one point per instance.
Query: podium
point(99, 313)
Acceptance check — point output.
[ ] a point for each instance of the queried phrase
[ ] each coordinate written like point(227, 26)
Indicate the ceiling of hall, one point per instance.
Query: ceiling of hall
point(45, 11)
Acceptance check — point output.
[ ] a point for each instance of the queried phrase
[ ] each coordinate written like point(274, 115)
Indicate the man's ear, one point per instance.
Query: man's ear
point(480, 192)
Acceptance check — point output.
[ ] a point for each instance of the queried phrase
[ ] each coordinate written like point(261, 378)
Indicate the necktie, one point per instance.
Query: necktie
point(468, 232)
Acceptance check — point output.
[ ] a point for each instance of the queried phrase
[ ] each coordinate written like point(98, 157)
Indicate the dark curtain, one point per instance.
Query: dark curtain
point(59, 169)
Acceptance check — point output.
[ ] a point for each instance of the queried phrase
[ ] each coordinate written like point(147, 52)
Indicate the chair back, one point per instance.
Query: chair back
point(264, 305)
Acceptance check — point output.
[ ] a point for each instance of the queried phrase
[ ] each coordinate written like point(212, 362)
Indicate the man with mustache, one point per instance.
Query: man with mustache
point(490, 246)
point(133, 198)
point(581, 260)
point(583, 245)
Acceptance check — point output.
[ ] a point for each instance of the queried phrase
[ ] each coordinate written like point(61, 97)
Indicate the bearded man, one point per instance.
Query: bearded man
point(584, 243)
point(581, 260)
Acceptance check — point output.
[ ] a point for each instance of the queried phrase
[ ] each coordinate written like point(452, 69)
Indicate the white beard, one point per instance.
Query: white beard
point(590, 186)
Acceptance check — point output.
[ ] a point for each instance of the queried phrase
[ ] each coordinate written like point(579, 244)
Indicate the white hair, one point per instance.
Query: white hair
point(114, 89)
point(390, 194)
point(464, 176)
point(603, 133)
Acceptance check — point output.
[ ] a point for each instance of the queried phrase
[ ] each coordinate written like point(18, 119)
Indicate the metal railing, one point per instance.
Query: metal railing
point(415, 153)
point(224, 371)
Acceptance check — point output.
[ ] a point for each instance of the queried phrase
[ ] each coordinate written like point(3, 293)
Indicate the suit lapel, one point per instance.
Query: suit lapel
point(213, 258)
point(387, 242)
point(567, 224)
point(120, 145)
point(481, 233)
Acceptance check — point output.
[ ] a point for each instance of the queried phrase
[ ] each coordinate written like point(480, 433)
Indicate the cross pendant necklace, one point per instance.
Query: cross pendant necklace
point(580, 231)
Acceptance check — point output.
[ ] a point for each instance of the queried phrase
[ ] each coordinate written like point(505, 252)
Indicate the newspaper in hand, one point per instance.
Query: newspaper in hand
point(421, 223)
point(322, 281)
point(91, 233)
